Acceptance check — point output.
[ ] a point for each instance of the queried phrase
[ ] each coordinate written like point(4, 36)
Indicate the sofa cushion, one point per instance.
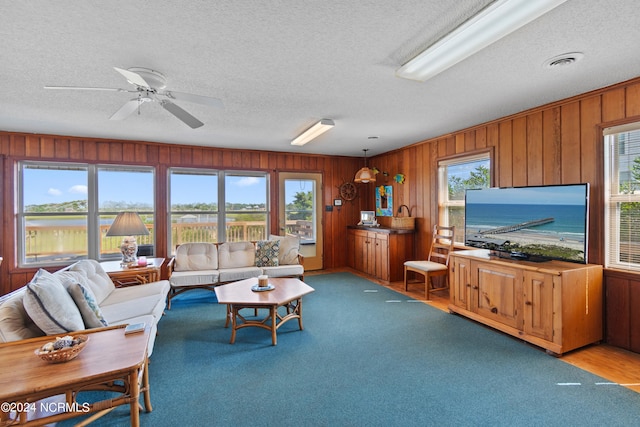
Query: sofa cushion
point(118, 312)
point(15, 323)
point(284, 271)
point(97, 279)
point(289, 249)
point(241, 273)
point(86, 302)
point(236, 255)
point(196, 256)
point(194, 278)
point(50, 306)
point(158, 289)
point(267, 252)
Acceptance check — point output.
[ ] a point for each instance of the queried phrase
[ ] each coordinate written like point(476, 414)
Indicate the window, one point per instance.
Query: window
point(64, 211)
point(121, 189)
point(199, 200)
point(622, 197)
point(455, 175)
point(53, 213)
point(246, 208)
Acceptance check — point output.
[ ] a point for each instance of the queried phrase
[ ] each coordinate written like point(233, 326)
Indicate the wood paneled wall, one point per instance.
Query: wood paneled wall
point(19, 146)
point(559, 143)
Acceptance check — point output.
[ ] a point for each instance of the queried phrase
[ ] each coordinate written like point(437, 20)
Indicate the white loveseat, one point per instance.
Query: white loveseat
point(207, 265)
point(79, 297)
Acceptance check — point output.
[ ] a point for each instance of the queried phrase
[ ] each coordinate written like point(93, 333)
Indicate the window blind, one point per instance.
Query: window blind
point(622, 187)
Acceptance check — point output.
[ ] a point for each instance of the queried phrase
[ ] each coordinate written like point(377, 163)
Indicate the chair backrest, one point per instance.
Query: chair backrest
point(441, 244)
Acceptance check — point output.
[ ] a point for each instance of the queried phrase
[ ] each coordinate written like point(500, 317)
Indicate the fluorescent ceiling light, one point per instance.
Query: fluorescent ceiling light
point(313, 132)
point(494, 22)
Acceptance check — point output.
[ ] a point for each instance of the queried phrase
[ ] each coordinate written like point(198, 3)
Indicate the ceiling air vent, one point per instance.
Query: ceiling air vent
point(563, 60)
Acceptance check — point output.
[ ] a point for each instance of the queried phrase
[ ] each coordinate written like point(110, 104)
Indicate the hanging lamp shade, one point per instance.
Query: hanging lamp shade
point(365, 174)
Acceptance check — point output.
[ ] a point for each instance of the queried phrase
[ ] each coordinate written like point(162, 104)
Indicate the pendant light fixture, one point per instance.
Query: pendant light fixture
point(365, 174)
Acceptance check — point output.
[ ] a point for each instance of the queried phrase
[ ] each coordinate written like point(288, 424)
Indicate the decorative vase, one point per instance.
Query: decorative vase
point(129, 249)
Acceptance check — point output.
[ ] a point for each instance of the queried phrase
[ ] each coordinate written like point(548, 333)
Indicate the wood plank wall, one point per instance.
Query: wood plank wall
point(20, 146)
point(559, 143)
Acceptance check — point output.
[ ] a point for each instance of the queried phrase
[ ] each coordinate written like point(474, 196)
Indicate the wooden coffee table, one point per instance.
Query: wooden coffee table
point(111, 360)
point(288, 293)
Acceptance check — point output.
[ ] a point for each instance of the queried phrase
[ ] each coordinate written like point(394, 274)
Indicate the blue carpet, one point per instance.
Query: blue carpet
point(368, 356)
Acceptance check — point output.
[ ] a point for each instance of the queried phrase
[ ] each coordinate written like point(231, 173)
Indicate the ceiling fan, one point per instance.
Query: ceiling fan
point(150, 87)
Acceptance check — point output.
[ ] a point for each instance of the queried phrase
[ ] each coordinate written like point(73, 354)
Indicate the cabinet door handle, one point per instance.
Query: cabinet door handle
point(474, 287)
point(527, 303)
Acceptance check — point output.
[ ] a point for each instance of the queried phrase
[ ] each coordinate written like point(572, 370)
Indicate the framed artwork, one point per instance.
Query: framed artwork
point(384, 200)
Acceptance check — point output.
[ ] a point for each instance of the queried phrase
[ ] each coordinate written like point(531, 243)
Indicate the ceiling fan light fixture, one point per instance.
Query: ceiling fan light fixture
point(494, 22)
point(313, 132)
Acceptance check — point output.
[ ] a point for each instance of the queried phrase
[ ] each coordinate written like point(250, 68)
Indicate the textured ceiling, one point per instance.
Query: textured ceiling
point(281, 65)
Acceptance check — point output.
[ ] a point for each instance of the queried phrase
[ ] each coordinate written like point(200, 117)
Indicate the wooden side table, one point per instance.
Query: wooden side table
point(110, 361)
point(132, 276)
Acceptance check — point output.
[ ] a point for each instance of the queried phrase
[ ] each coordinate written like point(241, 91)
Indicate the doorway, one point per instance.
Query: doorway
point(300, 213)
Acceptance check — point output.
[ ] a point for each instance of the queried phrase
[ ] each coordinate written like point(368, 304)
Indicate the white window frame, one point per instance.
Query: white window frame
point(613, 162)
point(92, 214)
point(444, 203)
point(222, 211)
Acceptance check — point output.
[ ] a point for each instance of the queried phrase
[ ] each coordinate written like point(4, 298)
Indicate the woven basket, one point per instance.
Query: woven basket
point(64, 354)
point(403, 223)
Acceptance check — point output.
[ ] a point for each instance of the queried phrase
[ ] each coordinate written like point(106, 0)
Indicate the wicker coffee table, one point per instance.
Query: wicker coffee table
point(287, 293)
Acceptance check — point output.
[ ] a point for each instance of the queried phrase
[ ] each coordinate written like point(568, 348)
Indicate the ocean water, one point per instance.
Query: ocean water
point(569, 220)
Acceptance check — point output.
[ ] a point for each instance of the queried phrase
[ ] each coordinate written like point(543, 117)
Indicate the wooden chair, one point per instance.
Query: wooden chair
point(438, 261)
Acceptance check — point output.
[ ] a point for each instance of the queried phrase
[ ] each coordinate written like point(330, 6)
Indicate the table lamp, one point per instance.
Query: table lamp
point(129, 225)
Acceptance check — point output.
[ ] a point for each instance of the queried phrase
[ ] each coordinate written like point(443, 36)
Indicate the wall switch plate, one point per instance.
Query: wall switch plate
point(337, 202)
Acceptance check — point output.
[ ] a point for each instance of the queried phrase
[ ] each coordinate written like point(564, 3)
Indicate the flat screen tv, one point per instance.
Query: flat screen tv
point(536, 223)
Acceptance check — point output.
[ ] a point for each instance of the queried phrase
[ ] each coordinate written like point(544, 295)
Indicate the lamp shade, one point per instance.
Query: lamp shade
point(128, 224)
point(365, 175)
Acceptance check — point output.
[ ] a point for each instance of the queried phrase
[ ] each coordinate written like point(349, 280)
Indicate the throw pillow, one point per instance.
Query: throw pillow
point(267, 253)
point(86, 302)
point(50, 306)
point(289, 249)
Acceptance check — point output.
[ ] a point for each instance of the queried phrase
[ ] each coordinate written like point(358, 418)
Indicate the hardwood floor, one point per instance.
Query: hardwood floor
point(614, 364)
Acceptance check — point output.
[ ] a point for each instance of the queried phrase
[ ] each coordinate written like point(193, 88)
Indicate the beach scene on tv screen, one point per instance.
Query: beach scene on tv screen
point(547, 222)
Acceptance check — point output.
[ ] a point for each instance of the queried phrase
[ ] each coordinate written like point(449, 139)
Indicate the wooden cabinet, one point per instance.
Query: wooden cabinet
point(555, 305)
point(380, 253)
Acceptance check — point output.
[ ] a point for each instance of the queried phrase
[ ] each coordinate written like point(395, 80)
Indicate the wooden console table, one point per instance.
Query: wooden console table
point(555, 305)
point(131, 276)
point(111, 361)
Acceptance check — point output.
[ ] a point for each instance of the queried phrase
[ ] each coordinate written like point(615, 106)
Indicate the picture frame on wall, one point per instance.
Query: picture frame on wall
point(384, 200)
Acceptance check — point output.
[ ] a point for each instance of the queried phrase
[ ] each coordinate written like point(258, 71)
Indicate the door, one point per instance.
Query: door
point(300, 213)
point(460, 282)
point(497, 292)
point(538, 304)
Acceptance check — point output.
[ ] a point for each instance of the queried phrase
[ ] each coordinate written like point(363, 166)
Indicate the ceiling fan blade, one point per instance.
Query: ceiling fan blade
point(111, 89)
point(181, 114)
point(126, 110)
point(190, 97)
point(133, 78)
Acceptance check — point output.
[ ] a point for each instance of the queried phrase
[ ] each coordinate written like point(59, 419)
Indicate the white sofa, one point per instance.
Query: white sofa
point(207, 265)
point(78, 297)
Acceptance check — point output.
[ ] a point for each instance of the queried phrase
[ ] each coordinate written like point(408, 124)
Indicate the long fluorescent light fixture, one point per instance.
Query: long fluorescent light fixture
point(313, 132)
point(494, 22)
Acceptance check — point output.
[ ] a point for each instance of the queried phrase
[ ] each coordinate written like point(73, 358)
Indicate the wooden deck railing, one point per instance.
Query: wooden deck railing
point(68, 242)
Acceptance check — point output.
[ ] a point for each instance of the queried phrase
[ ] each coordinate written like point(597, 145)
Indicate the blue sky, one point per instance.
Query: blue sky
point(550, 195)
point(57, 186)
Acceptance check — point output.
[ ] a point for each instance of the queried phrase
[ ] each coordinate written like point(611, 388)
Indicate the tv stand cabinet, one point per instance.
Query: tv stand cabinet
point(554, 305)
